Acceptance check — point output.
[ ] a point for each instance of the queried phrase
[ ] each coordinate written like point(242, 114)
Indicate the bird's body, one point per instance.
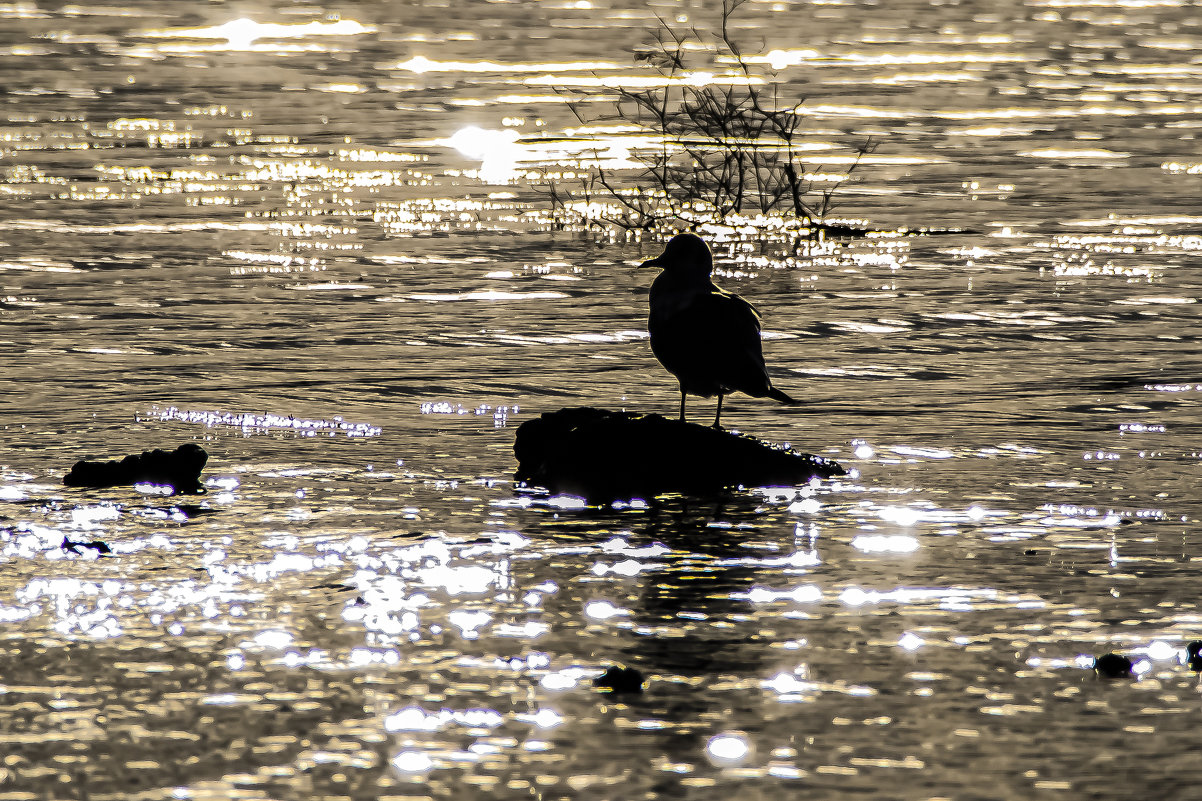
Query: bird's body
point(705, 336)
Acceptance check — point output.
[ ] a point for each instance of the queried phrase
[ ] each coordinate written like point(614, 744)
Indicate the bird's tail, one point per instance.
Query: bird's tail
point(777, 395)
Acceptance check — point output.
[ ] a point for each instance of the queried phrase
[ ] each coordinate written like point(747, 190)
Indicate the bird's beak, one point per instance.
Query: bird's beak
point(651, 263)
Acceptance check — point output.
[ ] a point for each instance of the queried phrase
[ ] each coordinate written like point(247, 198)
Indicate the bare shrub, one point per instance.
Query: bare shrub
point(727, 146)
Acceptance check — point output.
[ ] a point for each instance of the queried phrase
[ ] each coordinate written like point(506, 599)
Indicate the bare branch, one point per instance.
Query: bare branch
point(719, 148)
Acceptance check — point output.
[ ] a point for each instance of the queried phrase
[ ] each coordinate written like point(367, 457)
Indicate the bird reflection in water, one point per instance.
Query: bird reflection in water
point(681, 637)
point(705, 336)
point(706, 584)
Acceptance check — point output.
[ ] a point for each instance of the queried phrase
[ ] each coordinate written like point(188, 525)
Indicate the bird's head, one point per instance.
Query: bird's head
point(684, 254)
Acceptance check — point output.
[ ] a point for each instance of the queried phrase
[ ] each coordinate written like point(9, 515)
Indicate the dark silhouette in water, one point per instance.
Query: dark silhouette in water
point(705, 336)
point(604, 456)
point(98, 546)
point(178, 469)
point(1193, 656)
point(1113, 666)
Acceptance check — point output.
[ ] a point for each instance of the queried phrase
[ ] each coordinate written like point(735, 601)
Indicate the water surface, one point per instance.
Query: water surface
point(266, 238)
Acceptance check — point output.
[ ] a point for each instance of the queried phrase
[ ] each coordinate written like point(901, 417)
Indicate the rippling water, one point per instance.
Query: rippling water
point(302, 237)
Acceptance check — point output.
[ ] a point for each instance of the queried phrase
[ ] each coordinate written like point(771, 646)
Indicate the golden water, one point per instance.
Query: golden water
point(309, 239)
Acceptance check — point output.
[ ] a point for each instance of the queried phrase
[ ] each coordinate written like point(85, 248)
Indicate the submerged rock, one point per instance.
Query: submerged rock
point(178, 469)
point(618, 679)
point(604, 455)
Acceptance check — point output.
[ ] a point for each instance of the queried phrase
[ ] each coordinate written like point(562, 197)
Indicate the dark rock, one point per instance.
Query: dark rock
point(604, 455)
point(617, 679)
point(178, 469)
point(1113, 666)
point(1193, 656)
point(96, 545)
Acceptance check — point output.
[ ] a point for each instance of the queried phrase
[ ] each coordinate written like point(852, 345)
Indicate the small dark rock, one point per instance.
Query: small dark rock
point(178, 469)
point(840, 231)
point(96, 545)
point(604, 455)
point(1193, 656)
point(1113, 666)
point(619, 679)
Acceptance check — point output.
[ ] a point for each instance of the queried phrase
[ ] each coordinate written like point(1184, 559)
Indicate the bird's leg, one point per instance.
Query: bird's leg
point(682, 406)
point(718, 416)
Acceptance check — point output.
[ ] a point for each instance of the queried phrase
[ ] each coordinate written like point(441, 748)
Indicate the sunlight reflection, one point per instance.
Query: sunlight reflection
point(562, 680)
point(154, 489)
point(469, 622)
point(728, 749)
point(884, 543)
point(466, 579)
point(634, 82)
point(506, 157)
point(412, 762)
point(544, 718)
point(1071, 516)
point(796, 561)
point(1061, 154)
point(627, 568)
point(808, 506)
point(421, 64)
point(796, 686)
point(780, 59)
point(567, 502)
point(620, 545)
point(604, 610)
point(1160, 651)
point(486, 294)
point(273, 638)
point(414, 718)
point(86, 517)
point(252, 423)
point(241, 34)
point(364, 657)
point(804, 594)
point(498, 152)
point(788, 684)
point(902, 515)
point(856, 596)
point(79, 607)
point(479, 144)
point(11, 492)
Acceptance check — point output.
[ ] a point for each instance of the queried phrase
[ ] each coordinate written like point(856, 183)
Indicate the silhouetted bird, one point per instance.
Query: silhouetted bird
point(708, 338)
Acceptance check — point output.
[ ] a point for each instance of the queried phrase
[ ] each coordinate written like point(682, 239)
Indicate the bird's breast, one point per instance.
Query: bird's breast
point(669, 302)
